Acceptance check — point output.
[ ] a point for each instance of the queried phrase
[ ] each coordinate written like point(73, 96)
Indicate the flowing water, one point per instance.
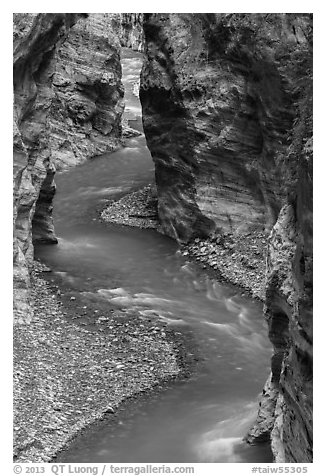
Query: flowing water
point(200, 419)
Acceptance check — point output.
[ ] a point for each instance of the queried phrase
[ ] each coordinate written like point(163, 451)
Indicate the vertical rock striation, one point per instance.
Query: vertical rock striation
point(288, 304)
point(67, 108)
point(216, 112)
point(129, 29)
point(35, 37)
point(292, 433)
point(227, 102)
point(227, 117)
point(87, 102)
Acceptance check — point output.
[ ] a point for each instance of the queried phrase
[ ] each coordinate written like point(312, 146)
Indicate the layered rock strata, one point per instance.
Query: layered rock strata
point(289, 299)
point(292, 299)
point(87, 93)
point(35, 37)
point(216, 112)
point(218, 94)
point(286, 413)
point(129, 29)
point(223, 105)
point(67, 108)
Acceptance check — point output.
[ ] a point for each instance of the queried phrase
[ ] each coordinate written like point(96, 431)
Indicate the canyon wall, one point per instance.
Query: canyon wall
point(129, 29)
point(216, 112)
point(289, 292)
point(227, 116)
point(35, 36)
point(87, 93)
point(285, 412)
point(67, 108)
point(227, 119)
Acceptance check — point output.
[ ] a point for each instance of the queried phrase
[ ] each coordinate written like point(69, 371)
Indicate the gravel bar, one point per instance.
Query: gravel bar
point(67, 376)
point(238, 259)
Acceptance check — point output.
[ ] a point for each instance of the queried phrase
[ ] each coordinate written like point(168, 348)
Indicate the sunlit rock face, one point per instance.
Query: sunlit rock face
point(216, 115)
point(67, 108)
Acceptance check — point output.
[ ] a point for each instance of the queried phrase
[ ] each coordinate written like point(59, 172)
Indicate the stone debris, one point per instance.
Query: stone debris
point(238, 259)
point(137, 209)
point(67, 376)
point(235, 258)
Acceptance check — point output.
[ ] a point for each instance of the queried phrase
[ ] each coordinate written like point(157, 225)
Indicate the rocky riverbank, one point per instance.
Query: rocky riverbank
point(137, 209)
point(68, 375)
point(235, 258)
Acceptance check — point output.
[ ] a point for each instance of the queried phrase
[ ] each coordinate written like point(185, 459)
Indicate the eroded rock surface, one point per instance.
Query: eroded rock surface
point(67, 108)
point(35, 37)
point(222, 107)
point(225, 99)
point(288, 302)
point(293, 433)
point(288, 309)
point(87, 104)
point(129, 29)
point(216, 113)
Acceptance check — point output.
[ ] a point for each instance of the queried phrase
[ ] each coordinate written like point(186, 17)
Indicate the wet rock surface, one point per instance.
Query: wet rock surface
point(106, 359)
point(265, 422)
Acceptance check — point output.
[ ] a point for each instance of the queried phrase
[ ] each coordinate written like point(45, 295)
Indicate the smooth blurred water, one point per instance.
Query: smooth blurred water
point(204, 418)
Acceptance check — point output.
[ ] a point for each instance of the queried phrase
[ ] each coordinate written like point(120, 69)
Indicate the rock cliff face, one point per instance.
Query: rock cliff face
point(288, 309)
point(35, 36)
point(129, 29)
point(87, 93)
point(288, 303)
point(67, 108)
point(228, 123)
point(216, 112)
point(223, 105)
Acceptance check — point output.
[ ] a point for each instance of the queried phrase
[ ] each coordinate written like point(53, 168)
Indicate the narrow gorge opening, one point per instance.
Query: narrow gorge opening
point(134, 276)
point(163, 359)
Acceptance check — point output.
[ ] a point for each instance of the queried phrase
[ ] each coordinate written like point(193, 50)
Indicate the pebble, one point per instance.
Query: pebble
point(136, 209)
point(78, 375)
point(239, 259)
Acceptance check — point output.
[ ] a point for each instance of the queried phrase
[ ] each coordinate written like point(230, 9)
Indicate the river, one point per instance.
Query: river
point(202, 418)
